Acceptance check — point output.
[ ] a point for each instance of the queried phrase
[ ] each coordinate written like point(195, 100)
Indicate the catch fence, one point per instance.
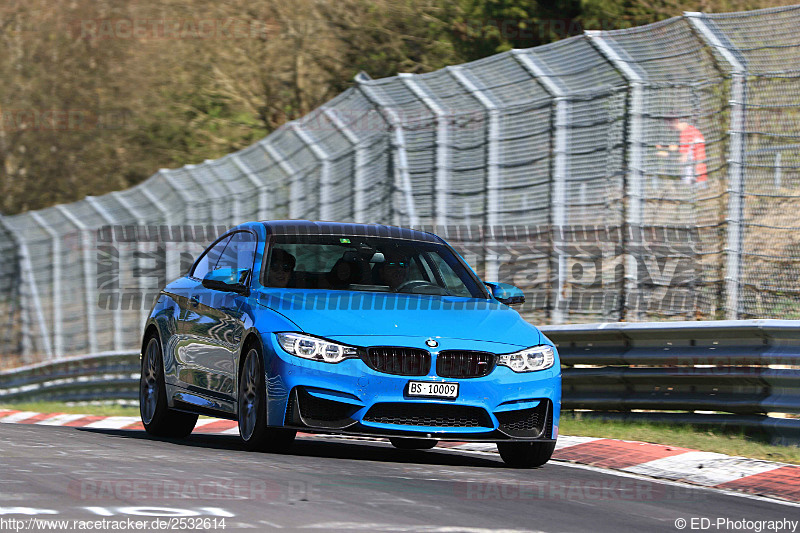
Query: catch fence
point(644, 174)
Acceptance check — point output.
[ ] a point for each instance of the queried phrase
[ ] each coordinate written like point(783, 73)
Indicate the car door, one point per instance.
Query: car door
point(190, 351)
point(213, 325)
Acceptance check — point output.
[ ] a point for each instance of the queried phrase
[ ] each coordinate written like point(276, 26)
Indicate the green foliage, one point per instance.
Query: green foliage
point(479, 28)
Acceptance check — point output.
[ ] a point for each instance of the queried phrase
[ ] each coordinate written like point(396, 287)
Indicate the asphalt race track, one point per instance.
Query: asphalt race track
point(62, 473)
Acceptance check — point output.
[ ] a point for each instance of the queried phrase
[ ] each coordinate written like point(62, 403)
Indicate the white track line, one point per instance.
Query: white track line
point(474, 447)
point(623, 473)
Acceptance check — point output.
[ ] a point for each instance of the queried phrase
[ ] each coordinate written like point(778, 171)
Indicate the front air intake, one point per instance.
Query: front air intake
point(464, 364)
point(399, 360)
point(428, 415)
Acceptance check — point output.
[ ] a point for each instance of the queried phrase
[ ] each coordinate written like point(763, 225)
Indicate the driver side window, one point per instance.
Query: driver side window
point(208, 261)
point(236, 251)
point(239, 253)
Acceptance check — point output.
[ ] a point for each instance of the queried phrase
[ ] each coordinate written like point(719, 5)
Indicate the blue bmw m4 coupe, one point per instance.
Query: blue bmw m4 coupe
point(355, 329)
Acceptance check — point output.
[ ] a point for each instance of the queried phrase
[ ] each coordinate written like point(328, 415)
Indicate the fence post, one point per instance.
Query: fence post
point(402, 176)
point(211, 196)
point(326, 189)
point(359, 192)
point(172, 258)
point(442, 155)
point(58, 318)
point(89, 284)
point(733, 267)
point(235, 215)
point(297, 206)
point(26, 272)
point(491, 260)
point(263, 195)
point(559, 183)
point(139, 219)
point(91, 200)
point(634, 210)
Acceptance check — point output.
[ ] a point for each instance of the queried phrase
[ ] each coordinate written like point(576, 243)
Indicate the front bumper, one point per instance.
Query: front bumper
point(352, 398)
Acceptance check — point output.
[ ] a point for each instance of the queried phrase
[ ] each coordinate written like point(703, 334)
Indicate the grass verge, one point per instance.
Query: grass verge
point(683, 436)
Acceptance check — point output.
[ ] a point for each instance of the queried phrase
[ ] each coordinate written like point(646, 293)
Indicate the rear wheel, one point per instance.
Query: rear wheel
point(157, 417)
point(253, 409)
point(525, 454)
point(406, 443)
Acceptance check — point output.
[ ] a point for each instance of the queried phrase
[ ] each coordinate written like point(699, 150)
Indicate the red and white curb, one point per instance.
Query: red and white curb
point(715, 470)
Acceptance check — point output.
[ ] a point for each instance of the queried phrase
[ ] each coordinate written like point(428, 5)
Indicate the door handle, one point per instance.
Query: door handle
point(194, 301)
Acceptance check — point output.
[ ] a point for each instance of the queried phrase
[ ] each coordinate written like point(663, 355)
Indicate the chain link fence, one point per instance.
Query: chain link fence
point(643, 174)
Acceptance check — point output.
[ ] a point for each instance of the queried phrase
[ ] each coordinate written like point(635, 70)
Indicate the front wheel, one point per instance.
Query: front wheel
point(158, 419)
point(525, 454)
point(253, 410)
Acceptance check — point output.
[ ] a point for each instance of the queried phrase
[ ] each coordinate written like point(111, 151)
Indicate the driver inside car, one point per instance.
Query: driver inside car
point(394, 269)
point(281, 268)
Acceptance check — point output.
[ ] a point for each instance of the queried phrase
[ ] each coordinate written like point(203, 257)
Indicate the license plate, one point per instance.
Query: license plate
point(433, 389)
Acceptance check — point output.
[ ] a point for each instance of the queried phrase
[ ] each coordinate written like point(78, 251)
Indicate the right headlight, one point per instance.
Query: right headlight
point(315, 348)
point(530, 359)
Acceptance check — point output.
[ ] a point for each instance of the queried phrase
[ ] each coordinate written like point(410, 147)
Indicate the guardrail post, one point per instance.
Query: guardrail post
point(402, 177)
point(90, 298)
point(297, 205)
point(558, 215)
point(442, 155)
point(634, 209)
point(264, 209)
point(326, 189)
point(733, 267)
point(91, 200)
point(359, 192)
point(491, 260)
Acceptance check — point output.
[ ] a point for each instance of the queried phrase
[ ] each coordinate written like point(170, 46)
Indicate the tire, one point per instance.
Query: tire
point(252, 409)
point(158, 419)
point(525, 454)
point(406, 443)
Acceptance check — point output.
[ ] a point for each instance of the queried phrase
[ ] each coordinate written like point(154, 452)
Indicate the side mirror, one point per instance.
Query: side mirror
point(505, 293)
point(227, 279)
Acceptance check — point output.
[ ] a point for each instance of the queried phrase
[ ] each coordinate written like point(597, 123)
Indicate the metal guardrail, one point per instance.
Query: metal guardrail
point(738, 374)
point(742, 374)
point(106, 376)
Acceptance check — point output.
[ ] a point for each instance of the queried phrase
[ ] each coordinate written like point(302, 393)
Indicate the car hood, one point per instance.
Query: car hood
point(341, 313)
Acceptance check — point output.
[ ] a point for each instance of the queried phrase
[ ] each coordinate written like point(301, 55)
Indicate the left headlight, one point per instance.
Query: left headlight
point(314, 348)
point(530, 359)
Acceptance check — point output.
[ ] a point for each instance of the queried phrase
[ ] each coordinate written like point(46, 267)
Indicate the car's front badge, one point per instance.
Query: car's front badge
point(431, 343)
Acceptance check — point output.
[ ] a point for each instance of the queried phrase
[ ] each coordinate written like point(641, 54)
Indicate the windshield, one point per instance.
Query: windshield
point(358, 263)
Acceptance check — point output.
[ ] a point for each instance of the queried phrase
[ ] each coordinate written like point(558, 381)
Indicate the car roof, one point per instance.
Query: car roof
point(310, 227)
